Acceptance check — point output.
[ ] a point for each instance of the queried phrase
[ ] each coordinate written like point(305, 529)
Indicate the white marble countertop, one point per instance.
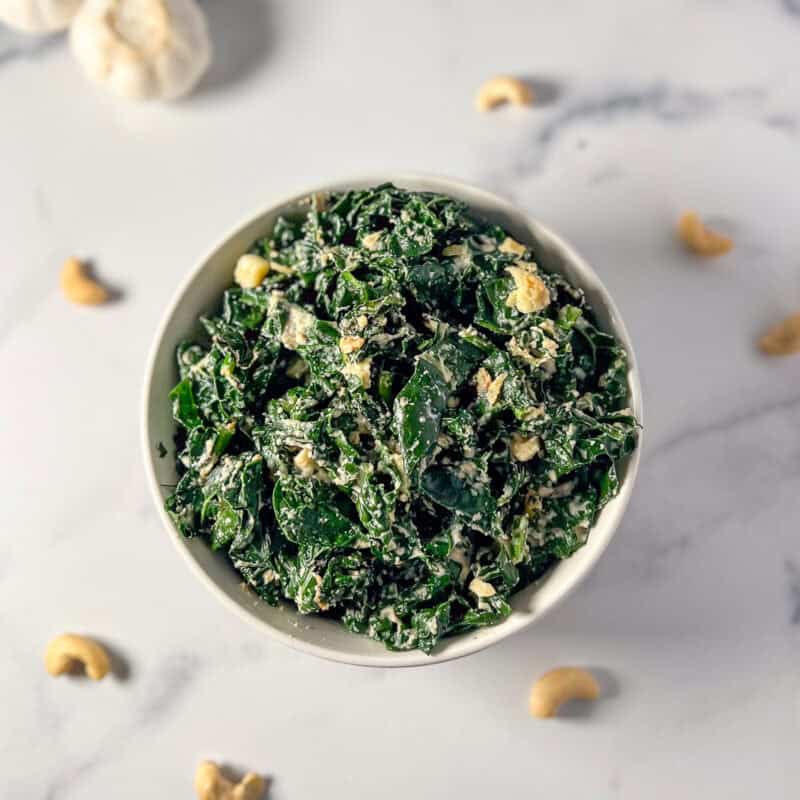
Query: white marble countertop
point(647, 108)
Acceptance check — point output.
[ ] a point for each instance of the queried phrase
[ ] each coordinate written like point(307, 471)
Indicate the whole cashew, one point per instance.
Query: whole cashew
point(503, 89)
point(782, 339)
point(64, 651)
point(560, 685)
point(211, 784)
point(78, 287)
point(700, 239)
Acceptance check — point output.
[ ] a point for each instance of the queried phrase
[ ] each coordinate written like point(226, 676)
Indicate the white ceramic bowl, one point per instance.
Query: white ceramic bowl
point(201, 293)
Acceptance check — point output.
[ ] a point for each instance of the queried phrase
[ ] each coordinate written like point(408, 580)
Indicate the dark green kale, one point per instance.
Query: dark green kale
point(403, 424)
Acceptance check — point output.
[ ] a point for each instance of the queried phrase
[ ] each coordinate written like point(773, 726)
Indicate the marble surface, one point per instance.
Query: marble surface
point(692, 616)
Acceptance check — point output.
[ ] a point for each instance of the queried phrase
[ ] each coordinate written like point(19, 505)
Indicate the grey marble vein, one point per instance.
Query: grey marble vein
point(663, 102)
point(782, 122)
point(660, 101)
point(173, 678)
point(18, 47)
point(693, 498)
point(719, 426)
point(793, 581)
point(791, 6)
point(605, 175)
point(42, 206)
point(64, 783)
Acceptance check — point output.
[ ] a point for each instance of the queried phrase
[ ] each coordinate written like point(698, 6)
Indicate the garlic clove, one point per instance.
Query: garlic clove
point(142, 49)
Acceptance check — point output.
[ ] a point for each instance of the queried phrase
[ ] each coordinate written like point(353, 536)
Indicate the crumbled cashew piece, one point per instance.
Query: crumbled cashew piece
point(483, 380)
point(66, 651)
point(372, 241)
point(361, 370)
point(495, 387)
point(454, 250)
point(509, 245)
point(558, 686)
point(524, 449)
point(700, 239)
point(305, 463)
point(78, 287)
point(297, 326)
point(782, 339)
point(251, 270)
point(518, 351)
point(211, 784)
point(530, 294)
point(481, 588)
point(349, 344)
point(533, 412)
point(503, 89)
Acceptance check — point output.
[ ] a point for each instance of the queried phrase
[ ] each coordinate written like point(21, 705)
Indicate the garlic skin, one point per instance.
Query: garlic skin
point(142, 49)
point(38, 16)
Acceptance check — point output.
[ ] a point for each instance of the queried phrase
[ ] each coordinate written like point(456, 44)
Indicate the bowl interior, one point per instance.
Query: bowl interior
point(201, 294)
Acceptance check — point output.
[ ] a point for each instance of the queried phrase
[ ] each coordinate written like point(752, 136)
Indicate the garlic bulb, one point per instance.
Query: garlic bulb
point(38, 16)
point(142, 49)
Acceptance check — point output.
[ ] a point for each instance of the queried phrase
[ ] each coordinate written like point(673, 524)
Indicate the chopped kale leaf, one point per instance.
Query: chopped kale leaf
point(405, 405)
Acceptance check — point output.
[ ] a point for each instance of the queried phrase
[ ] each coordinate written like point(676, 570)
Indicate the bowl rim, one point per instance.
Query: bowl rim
point(464, 644)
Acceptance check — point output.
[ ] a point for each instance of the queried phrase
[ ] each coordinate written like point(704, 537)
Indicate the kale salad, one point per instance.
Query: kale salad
point(396, 419)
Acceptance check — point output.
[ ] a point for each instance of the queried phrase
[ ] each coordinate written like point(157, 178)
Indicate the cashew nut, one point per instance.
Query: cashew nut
point(700, 239)
point(78, 287)
point(560, 685)
point(250, 270)
point(372, 241)
point(530, 294)
point(349, 344)
point(782, 339)
point(488, 387)
point(66, 650)
point(360, 370)
point(211, 784)
point(483, 380)
point(503, 89)
point(495, 387)
point(305, 463)
point(509, 245)
point(482, 588)
point(524, 448)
